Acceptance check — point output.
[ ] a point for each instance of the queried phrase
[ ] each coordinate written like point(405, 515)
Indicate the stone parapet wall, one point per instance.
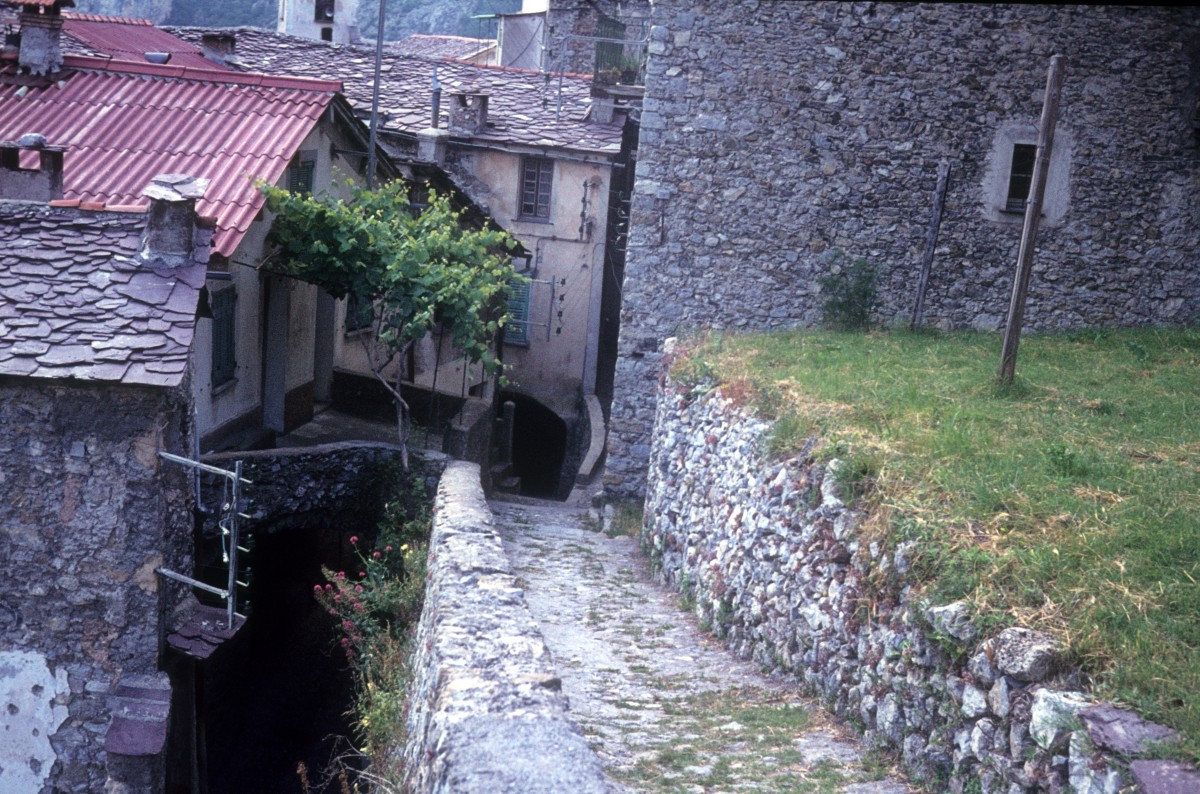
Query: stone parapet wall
point(775, 133)
point(775, 563)
point(486, 709)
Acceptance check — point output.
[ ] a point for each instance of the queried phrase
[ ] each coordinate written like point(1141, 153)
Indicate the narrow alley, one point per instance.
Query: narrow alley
point(664, 705)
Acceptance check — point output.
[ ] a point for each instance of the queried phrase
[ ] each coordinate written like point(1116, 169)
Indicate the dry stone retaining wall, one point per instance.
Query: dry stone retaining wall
point(774, 562)
point(486, 709)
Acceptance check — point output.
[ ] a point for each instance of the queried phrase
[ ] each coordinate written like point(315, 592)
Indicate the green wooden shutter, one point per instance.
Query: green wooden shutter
point(516, 330)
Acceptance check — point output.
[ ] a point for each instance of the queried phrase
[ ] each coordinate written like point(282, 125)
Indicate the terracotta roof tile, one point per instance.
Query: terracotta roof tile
point(523, 106)
point(74, 302)
point(124, 123)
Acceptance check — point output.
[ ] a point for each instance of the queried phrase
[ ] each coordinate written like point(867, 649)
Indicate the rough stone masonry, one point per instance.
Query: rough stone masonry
point(776, 133)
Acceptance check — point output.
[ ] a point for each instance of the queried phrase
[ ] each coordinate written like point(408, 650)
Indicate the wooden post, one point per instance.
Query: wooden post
point(935, 223)
point(1033, 214)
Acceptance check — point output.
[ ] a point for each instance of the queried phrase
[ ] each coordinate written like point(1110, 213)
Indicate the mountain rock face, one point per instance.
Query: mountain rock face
point(403, 17)
point(154, 10)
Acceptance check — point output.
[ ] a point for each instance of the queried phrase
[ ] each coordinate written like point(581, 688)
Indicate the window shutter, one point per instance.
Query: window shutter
point(516, 330)
point(224, 349)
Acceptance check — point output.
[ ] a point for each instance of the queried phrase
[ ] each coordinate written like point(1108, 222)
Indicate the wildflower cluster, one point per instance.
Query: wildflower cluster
point(370, 601)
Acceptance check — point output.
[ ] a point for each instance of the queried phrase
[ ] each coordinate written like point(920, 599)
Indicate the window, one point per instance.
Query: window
point(1020, 176)
point(360, 314)
point(224, 360)
point(300, 174)
point(516, 330)
point(537, 174)
point(323, 10)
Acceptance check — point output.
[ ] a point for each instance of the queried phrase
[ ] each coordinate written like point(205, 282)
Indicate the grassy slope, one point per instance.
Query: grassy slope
point(1068, 502)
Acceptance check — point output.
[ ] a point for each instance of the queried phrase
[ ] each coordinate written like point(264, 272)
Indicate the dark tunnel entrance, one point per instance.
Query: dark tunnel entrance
point(539, 448)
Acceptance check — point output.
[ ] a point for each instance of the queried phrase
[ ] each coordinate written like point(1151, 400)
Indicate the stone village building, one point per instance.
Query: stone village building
point(140, 103)
point(776, 133)
point(97, 319)
point(549, 158)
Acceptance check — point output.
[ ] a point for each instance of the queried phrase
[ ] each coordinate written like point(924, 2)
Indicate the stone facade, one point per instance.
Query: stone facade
point(88, 511)
point(777, 133)
point(775, 563)
point(486, 712)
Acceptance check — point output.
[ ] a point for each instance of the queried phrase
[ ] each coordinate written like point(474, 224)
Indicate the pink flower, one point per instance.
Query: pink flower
point(316, 588)
point(362, 574)
point(328, 587)
point(341, 574)
point(354, 540)
point(358, 588)
point(378, 555)
point(387, 548)
point(347, 625)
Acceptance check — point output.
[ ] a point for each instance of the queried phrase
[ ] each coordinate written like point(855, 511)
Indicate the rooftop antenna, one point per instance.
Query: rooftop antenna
point(374, 140)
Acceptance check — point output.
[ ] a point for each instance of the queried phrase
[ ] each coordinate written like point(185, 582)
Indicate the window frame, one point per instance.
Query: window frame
point(1026, 155)
point(302, 173)
point(357, 309)
point(224, 337)
point(535, 199)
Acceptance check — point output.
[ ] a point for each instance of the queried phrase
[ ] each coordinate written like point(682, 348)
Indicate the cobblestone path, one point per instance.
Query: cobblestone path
point(665, 706)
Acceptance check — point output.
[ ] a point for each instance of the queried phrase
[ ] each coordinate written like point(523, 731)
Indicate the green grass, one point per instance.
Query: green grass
point(1068, 502)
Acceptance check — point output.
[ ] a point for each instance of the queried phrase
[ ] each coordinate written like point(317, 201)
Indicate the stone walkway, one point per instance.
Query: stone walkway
point(663, 704)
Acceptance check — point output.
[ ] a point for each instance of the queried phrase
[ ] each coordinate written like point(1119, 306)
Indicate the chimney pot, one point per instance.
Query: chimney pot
point(169, 238)
point(468, 113)
point(41, 30)
point(43, 183)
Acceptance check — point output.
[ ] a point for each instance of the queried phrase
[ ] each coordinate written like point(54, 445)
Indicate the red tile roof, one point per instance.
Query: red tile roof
point(124, 123)
point(128, 40)
point(75, 302)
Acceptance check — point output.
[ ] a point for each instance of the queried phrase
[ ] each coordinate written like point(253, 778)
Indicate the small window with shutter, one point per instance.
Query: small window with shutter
point(537, 176)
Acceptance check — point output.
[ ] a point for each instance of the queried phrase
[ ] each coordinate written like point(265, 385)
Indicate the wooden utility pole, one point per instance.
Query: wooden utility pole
point(935, 223)
point(1033, 215)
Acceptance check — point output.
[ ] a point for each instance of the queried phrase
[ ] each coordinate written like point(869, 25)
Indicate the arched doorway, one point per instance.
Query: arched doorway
point(539, 448)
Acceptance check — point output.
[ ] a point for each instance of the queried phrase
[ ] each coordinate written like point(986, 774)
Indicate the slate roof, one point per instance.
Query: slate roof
point(123, 123)
point(75, 304)
point(429, 46)
point(522, 105)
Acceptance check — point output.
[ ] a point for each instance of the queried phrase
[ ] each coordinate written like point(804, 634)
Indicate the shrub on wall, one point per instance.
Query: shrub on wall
point(851, 291)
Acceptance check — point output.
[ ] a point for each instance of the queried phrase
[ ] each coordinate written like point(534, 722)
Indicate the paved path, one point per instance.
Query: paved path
point(665, 706)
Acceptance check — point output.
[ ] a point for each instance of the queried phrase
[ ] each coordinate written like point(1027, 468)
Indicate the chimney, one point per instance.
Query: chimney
point(169, 239)
point(468, 113)
point(41, 29)
point(218, 47)
point(43, 183)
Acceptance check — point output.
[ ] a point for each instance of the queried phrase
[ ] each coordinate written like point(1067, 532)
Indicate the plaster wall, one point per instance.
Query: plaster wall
point(240, 401)
point(88, 511)
point(566, 265)
point(776, 133)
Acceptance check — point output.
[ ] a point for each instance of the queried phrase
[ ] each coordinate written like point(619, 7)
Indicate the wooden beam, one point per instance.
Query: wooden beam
point(1033, 214)
point(935, 223)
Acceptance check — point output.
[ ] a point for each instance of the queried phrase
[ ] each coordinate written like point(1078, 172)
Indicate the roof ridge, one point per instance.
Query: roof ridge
point(118, 66)
point(85, 17)
point(95, 206)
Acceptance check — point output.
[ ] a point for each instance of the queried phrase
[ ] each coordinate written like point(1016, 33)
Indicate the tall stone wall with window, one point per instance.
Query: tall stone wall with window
point(775, 134)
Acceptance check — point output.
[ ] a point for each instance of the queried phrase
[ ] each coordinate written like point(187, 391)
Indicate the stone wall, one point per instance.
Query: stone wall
point(776, 133)
point(774, 562)
point(87, 512)
point(486, 709)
